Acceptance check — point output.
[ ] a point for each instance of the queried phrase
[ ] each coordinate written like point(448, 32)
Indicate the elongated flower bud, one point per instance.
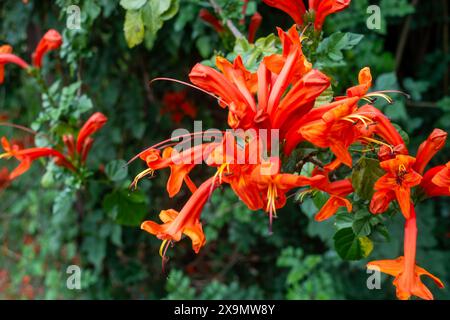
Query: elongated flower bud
point(52, 40)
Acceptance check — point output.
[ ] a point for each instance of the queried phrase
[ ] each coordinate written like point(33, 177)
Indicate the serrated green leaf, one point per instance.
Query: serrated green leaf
point(133, 28)
point(332, 46)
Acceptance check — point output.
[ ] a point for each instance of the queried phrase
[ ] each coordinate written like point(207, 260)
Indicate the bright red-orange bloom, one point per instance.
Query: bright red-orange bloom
point(51, 40)
point(344, 124)
point(294, 8)
point(320, 8)
point(179, 162)
point(407, 274)
point(430, 188)
point(27, 156)
point(282, 91)
point(429, 148)
point(92, 125)
point(442, 177)
point(209, 18)
point(186, 222)
point(274, 185)
point(6, 56)
point(324, 8)
point(338, 191)
point(177, 105)
point(400, 178)
point(255, 23)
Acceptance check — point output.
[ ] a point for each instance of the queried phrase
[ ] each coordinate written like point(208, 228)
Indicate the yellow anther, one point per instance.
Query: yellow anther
point(5, 155)
point(380, 143)
point(161, 248)
point(144, 173)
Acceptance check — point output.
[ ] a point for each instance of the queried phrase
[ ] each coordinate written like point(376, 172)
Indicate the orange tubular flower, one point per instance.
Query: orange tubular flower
point(180, 164)
point(337, 190)
point(51, 40)
point(186, 222)
point(442, 177)
point(284, 85)
point(177, 105)
point(320, 8)
point(6, 56)
point(234, 94)
point(92, 125)
point(290, 41)
point(294, 8)
point(429, 148)
point(344, 124)
point(274, 185)
point(210, 19)
point(407, 274)
point(324, 8)
point(255, 23)
point(433, 190)
point(400, 178)
point(27, 156)
point(384, 127)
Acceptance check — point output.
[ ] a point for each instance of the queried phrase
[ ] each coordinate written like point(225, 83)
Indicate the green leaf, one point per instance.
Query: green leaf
point(332, 46)
point(132, 4)
point(362, 226)
point(203, 44)
point(344, 220)
point(126, 207)
point(133, 28)
point(116, 170)
point(364, 175)
point(351, 247)
point(252, 54)
point(171, 11)
point(324, 98)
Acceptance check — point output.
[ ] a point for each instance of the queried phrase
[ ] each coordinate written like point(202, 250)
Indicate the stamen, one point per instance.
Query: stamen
point(189, 85)
point(380, 142)
point(381, 95)
point(219, 174)
point(5, 155)
point(144, 173)
point(162, 252)
point(272, 194)
point(167, 142)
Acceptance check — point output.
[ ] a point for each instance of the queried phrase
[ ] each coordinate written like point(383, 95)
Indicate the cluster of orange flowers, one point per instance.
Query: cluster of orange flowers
point(76, 151)
point(281, 95)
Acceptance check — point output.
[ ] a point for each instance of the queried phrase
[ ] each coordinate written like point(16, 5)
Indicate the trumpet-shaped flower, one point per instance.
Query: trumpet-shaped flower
point(6, 56)
point(400, 178)
point(186, 222)
point(407, 274)
point(51, 40)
